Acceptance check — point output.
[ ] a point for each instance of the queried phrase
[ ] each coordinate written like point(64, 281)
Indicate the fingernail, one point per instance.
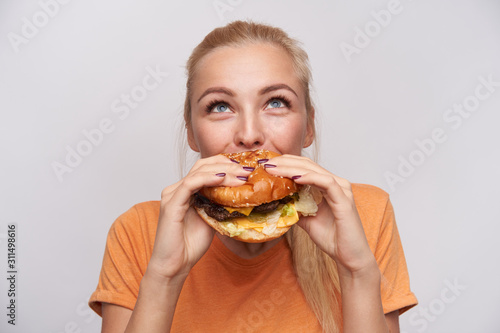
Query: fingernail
point(246, 168)
point(221, 174)
point(264, 160)
point(296, 177)
point(267, 165)
point(235, 161)
point(242, 178)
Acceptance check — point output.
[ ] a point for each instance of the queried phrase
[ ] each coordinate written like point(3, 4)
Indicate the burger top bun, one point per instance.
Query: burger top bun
point(260, 188)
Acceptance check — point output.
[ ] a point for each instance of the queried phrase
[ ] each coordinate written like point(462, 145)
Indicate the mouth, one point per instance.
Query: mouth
point(237, 151)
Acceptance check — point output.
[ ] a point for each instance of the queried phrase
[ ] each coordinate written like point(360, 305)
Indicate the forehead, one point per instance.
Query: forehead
point(246, 67)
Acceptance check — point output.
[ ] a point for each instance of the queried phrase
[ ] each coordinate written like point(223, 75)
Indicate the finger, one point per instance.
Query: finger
point(232, 174)
point(328, 185)
point(168, 191)
point(216, 159)
point(222, 165)
point(180, 198)
point(293, 165)
point(299, 161)
point(305, 176)
point(333, 193)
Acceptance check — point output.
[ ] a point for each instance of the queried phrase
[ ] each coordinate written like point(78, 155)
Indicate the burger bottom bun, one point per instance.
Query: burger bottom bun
point(247, 236)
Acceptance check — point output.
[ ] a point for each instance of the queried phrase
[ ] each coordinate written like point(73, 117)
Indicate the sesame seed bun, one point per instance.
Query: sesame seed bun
point(261, 225)
point(260, 188)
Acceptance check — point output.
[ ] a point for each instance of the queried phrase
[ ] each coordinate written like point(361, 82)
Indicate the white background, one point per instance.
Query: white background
point(373, 105)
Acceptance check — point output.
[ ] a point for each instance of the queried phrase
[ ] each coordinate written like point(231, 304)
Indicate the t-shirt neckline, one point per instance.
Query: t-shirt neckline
point(227, 254)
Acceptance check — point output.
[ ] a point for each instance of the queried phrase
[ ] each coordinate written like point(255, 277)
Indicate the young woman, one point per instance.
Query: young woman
point(341, 270)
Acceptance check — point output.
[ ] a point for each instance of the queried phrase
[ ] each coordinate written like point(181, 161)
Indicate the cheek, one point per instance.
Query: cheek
point(210, 139)
point(288, 133)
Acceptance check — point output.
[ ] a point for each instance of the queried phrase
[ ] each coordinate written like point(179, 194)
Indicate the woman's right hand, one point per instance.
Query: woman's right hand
point(182, 237)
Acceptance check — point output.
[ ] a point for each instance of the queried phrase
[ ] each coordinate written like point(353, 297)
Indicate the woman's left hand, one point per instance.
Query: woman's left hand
point(336, 228)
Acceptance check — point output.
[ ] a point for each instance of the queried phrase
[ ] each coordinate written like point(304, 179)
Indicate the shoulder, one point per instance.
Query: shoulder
point(133, 233)
point(369, 195)
point(372, 204)
point(142, 210)
point(147, 210)
point(139, 218)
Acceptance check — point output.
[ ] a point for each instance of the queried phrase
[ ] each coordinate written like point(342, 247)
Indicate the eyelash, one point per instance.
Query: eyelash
point(285, 100)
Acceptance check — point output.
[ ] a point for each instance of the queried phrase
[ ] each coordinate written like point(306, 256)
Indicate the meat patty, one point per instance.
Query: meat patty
point(213, 210)
point(221, 214)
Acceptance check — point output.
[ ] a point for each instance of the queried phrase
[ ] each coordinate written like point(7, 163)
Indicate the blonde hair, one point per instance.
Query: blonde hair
point(316, 272)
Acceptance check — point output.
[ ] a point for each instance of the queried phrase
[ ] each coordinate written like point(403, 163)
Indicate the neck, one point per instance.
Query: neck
point(247, 250)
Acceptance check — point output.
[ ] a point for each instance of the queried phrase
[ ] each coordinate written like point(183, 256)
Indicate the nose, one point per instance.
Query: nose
point(250, 132)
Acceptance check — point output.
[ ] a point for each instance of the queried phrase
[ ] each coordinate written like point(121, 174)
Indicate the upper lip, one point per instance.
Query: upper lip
point(244, 150)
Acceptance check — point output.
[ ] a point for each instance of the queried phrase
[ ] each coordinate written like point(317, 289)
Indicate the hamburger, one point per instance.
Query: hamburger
point(262, 209)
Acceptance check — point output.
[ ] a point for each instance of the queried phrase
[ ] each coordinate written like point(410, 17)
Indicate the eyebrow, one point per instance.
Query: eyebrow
point(263, 91)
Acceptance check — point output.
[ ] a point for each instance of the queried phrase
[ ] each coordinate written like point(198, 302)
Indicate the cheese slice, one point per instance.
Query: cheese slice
point(284, 221)
point(243, 210)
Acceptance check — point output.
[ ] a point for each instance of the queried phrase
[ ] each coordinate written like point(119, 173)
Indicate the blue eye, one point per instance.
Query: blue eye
point(275, 103)
point(278, 102)
point(219, 108)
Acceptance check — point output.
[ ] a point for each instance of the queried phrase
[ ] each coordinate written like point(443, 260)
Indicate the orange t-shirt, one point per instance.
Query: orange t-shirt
point(224, 292)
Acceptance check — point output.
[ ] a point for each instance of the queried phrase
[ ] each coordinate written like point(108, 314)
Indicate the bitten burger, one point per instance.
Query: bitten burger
point(262, 209)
